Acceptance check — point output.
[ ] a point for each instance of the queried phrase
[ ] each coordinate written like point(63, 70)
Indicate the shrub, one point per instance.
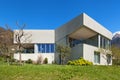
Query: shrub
point(81, 62)
point(54, 62)
point(12, 60)
point(45, 60)
point(29, 61)
point(39, 60)
point(116, 62)
point(1, 58)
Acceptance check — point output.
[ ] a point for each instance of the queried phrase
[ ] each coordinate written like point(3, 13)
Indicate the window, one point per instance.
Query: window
point(97, 57)
point(43, 48)
point(109, 58)
point(104, 43)
point(46, 48)
point(52, 48)
point(74, 42)
point(40, 48)
point(29, 48)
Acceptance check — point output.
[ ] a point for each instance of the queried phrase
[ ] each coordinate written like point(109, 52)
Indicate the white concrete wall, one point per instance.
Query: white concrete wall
point(34, 57)
point(68, 27)
point(39, 36)
point(82, 20)
point(88, 54)
point(95, 26)
point(103, 60)
point(35, 48)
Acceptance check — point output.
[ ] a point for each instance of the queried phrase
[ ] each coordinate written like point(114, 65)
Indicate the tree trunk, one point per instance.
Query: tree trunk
point(60, 59)
point(20, 61)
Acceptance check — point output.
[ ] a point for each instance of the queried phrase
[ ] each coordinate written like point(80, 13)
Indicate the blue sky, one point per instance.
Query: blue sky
point(50, 14)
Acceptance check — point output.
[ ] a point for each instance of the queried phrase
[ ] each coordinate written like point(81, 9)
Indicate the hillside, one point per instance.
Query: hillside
point(116, 39)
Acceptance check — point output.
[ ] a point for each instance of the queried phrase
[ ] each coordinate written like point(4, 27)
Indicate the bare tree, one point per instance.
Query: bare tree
point(20, 38)
point(6, 42)
point(116, 54)
point(107, 54)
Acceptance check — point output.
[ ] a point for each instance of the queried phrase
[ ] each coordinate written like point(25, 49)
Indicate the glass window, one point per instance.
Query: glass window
point(39, 47)
point(101, 42)
point(43, 48)
point(108, 44)
point(52, 48)
point(46, 48)
point(104, 43)
point(96, 57)
point(49, 48)
point(109, 58)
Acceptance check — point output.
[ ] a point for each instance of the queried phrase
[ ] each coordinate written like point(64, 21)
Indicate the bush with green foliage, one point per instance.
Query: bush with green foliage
point(116, 61)
point(1, 59)
point(29, 61)
point(81, 62)
point(12, 60)
point(45, 60)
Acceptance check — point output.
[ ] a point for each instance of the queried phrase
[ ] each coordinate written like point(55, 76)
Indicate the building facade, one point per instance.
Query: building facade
point(41, 45)
point(86, 38)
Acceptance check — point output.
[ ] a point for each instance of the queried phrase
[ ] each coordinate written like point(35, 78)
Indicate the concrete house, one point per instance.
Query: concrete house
point(42, 44)
point(84, 35)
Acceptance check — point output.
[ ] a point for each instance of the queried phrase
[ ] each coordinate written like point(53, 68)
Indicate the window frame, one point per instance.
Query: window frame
point(46, 48)
point(96, 57)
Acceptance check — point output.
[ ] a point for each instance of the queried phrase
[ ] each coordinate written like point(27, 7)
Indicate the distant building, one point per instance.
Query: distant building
point(84, 36)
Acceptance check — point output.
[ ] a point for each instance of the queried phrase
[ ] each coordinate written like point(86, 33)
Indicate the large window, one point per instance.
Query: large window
point(91, 41)
point(104, 43)
point(46, 48)
point(96, 57)
point(28, 48)
point(109, 58)
point(74, 42)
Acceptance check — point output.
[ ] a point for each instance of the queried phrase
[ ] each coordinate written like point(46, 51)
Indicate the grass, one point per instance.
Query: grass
point(58, 72)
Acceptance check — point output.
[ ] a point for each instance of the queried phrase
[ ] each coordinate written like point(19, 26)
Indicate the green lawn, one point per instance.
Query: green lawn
point(58, 72)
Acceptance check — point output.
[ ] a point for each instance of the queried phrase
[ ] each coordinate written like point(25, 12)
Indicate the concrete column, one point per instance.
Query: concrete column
point(99, 41)
point(35, 48)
